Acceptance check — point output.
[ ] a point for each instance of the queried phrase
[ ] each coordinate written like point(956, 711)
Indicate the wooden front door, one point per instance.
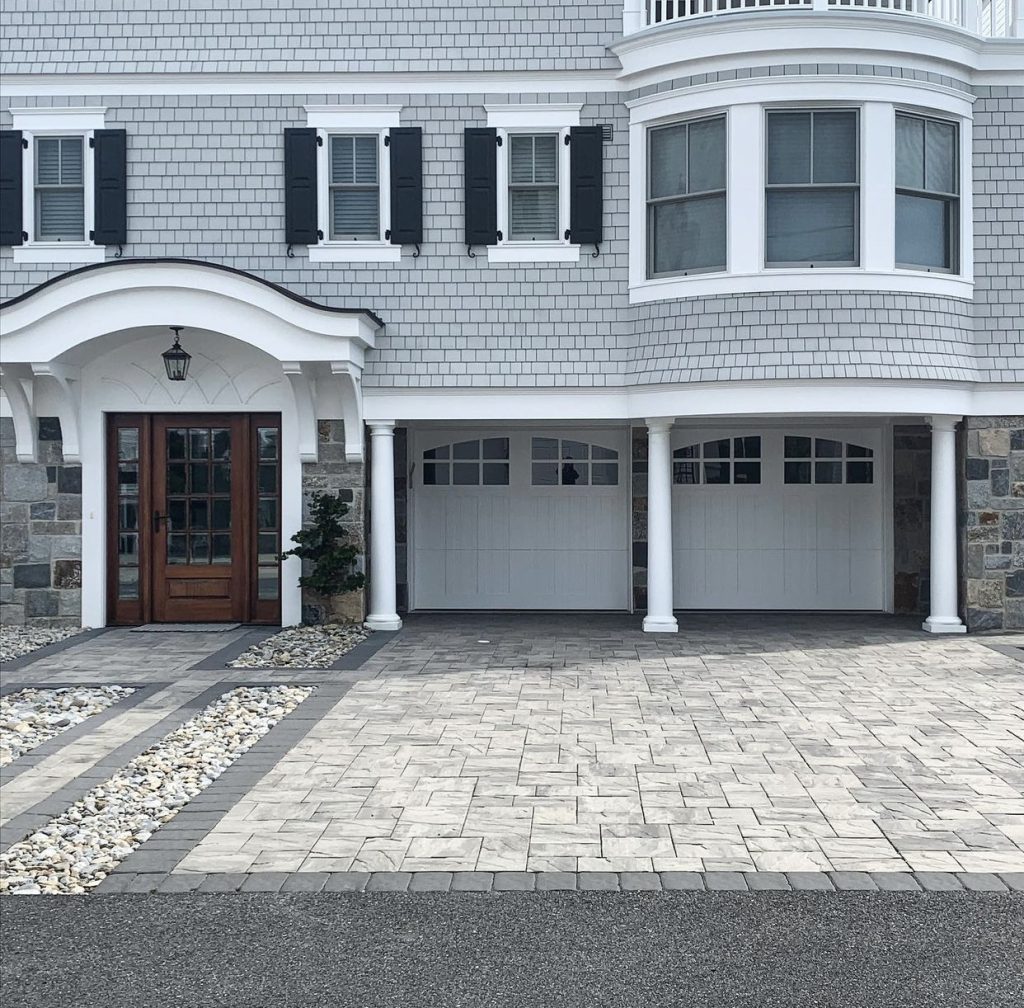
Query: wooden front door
point(195, 518)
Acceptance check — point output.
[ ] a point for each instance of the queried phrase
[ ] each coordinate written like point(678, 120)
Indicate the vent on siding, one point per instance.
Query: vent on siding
point(607, 133)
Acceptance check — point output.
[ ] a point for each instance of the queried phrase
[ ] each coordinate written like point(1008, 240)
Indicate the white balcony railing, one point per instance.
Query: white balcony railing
point(990, 18)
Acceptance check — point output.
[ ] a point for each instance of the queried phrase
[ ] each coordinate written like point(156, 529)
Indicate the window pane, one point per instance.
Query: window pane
point(533, 158)
point(268, 442)
point(267, 583)
point(716, 472)
point(495, 473)
point(355, 213)
point(221, 550)
point(858, 451)
point(689, 235)
point(690, 451)
point(466, 450)
point(222, 479)
point(267, 548)
point(835, 147)
point(940, 157)
point(828, 472)
point(222, 513)
point(575, 450)
point(354, 160)
point(747, 472)
point(267, 481)
point(798, 447)
point(668, 161)
point(199, 551)
point(597, 452)
point(812, 226)
point(496, 448)
point(575, 474)
point(465, 473)
point(859, 472)
point(923, 231)
point(604, 474)
point(177, 544)
point(909, 152)
point(176, 521)
point(747, 447)
point(716, 449)
point(176, 443)
point(71, 161)
point(199, 514)
point(200, 477)
point(61, 215)
point(436, 453)
point(545, 448)
point(798, 472)
point(199, 444)
point(789, 147)
point(707, 155)
point(685, 472)
point(533, 214)
point(128, 443)
point(176, 479)
point(366, 160)
point(48, 161)
point(435, 474)
point(827, 448)
point(128, 478)
point(545, 474)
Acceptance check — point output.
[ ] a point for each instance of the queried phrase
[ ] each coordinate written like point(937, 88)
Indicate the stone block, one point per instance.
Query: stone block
point(994, 442)
point(67, 574)
point(31, 575)
point(69, 507)
point(1000, 482)
point(1015, 585)
point(984, 593)
point(1017, 440)
point(69, 479)
point(70, 601)
point(14, 543)
point(977, 469)
point(41, 602)
point(24, 481)
point(66, 546)
point(1012, 525)
point(984, 619)
point(43, 511)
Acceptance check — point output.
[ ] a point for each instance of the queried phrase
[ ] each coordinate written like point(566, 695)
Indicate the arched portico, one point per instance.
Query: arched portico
point(87, 346)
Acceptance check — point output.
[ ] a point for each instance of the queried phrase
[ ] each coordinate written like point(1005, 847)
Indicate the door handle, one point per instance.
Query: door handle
point(157, 518)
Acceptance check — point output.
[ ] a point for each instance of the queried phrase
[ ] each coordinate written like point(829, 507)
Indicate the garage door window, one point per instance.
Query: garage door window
point(724, 461)
point(483, 462)
point(562, 462)
point(824, 460)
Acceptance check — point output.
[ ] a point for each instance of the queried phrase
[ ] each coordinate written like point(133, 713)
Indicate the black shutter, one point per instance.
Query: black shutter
point(110, 186)
point(406, 144)
point(586, 181)
point(481, 186)
point(10, 187)
point(300, 225)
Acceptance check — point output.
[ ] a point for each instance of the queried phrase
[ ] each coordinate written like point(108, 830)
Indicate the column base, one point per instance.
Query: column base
point(660, 624)
point(943, 624)
point(383, 621)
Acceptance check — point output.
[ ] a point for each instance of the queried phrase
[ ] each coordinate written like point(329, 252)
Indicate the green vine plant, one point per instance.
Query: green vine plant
point(325, 544)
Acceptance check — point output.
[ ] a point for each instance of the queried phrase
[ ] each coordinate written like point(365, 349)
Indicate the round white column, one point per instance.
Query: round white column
point(659, 618)
point(943, 616)
point(383, 597)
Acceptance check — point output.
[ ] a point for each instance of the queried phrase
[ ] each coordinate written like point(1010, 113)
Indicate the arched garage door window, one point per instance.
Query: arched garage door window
point(824, 460)
point(482, 462)
point(564, 462)
point(721, 461)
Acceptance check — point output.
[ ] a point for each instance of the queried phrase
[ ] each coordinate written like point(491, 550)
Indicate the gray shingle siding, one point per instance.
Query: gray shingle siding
point(206, 182)
point(317, 36)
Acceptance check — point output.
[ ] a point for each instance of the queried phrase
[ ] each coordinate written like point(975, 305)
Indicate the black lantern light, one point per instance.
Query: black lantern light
point(176, 360)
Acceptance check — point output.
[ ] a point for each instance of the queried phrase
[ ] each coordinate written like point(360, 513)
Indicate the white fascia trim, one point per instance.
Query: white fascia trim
point(364, 117)
point(539, 82)
point(49, 120)
point(533, 252)
point(809, 91)
point(541, 115)
point(355, 253)
point(59, 253)
point(787, 280)
point(720, 399)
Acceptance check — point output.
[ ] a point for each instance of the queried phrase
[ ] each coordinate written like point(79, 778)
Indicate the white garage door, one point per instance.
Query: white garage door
point(781, 519)
point(520, 519)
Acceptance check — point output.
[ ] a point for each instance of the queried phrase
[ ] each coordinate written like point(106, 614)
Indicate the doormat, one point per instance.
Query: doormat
point(186, 628)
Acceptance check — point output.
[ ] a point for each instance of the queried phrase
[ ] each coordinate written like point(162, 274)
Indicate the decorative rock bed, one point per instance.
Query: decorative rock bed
point(32, 716)
point(16, 641)
point(317, 646)
point(79, 848)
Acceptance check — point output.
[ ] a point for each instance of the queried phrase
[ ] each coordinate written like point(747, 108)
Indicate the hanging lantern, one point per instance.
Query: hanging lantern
point(176, 360)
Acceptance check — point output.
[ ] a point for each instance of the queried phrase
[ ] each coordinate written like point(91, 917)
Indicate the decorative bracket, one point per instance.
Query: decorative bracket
point(349, 376)
point(11, 381)
point(299, 378)
point(64, 381)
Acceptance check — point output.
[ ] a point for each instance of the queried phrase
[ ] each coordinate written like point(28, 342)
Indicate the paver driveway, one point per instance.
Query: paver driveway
point(574, 743)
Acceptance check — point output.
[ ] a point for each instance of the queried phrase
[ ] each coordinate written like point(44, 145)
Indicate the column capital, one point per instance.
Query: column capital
point(944, 423)
point(381, 428)
point(659, 423)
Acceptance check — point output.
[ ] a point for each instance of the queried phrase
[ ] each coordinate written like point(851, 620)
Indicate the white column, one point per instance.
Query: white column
point(943, 616)
point(383, 599)
point(659, 618)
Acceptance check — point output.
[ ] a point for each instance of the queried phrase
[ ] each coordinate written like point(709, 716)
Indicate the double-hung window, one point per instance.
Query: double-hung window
point(533, 206)
point(686, 205)
point(927, 193)
point(354, 185)
point(812, 188)
point(59, 197)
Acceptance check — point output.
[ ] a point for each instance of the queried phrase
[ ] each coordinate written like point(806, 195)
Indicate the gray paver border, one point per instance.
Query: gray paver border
point(351, 661)
point(218, 660)
point(1016, 653)
point(75, 732)
point(53, 805)
point(17, 664)
point(945, 884)
point(202, 813)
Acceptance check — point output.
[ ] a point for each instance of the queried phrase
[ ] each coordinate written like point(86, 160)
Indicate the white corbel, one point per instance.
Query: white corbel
point(301, 381)
point(348, 377)
point(12, 382)
point(64, 381)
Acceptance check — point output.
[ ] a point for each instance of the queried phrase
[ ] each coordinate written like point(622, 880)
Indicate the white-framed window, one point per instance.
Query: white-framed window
point(686, 197)
point(722, 461)
point(533, 182)
point(353, 182)
point(58, 185)
point(927, 193)
point(556, 461)
point(479, 462)
point(812, 189)
point(826, 460)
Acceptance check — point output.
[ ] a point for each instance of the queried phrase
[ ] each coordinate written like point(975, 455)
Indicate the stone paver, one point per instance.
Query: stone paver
point(572, 744)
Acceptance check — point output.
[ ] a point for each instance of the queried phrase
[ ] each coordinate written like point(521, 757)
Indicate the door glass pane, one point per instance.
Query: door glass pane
point(199, 475)
point(222, 513)
point(266, 548)
point(200, 548)
point(128, 478)
point(222, 478)
point(747, 472)
point(798, 472)
point(545, 448)
point(176, 444)
point(128, 583)
point(747, 447)
point(496, 448)
point(827, 448)
point(221, 548)
point(798, 447)
point(685, 472)
point(128, 443)
point(466, 450)
point(267, 478)
point(199, 514)
point(267, 515)
point(177, 545)
point(716, 472)
point(436, 453)
point(608, 454)
point(716, 449)
point(267, 438)
point(176, 517)
point(199, 444)
point(495, 473)
point(605, 474)
point(268, 581)
point(545, 474)
point(176, 482)
point(859, 472)
point(575, 474)
point(435, 474)
point(128, 513)
point(191, 510)
point(465, 473)
point(221, 443)
point(575, 450)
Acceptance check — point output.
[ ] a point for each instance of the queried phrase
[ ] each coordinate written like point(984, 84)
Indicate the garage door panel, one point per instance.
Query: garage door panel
point(799, 522)
point(721, 522)
point(759, 520)
point(758, 573)
point(689, 577)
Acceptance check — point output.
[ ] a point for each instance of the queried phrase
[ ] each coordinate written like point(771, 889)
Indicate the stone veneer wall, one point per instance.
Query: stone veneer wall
point(40, 531)
point(911, 490)
point(333, 474)
point(992, 521)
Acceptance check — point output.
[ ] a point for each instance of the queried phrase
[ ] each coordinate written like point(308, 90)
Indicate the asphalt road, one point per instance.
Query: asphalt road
point(592, 949)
